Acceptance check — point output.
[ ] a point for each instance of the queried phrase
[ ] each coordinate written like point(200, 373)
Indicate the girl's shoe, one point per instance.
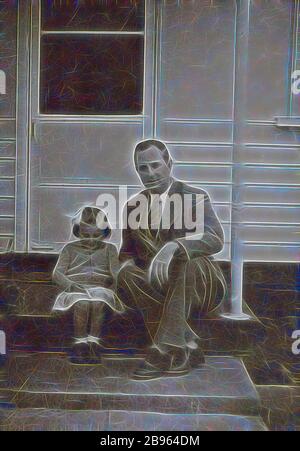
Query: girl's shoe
point(95, 353)
point(80, 354)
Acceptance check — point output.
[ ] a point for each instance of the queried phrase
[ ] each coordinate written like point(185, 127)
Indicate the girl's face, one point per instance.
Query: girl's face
point(95, 228)
point(89, 232)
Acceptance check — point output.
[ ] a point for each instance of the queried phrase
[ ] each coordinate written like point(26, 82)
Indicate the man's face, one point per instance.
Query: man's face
point(152, 168)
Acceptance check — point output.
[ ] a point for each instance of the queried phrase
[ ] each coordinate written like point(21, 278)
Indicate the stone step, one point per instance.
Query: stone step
point(54, 333)
point(59, 420)
point(222, 386)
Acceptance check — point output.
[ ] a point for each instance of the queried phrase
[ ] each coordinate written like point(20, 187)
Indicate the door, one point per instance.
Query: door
point(90, 102)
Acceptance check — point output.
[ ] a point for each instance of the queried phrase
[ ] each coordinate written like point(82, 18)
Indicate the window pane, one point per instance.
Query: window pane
point(104, 15)
point(8, 52)
point(92, 74)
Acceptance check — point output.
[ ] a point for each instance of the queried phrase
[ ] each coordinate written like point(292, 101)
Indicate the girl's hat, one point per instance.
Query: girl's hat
point(93, 224)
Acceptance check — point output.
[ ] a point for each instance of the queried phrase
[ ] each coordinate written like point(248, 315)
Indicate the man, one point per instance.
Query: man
point(169, 271)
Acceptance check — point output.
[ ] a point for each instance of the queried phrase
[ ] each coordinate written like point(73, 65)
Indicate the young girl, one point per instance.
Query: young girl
point(86, 271)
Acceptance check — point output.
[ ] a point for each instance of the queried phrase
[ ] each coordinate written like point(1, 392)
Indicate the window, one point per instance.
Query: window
point(8, 51)
point(92, 57)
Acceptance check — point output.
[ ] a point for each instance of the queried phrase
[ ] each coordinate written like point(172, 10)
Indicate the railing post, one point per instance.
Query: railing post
point(239, 125)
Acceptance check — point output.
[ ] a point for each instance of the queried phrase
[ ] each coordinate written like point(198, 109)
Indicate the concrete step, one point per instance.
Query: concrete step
point(222, 386)
point(59, 420)
point(54, 332)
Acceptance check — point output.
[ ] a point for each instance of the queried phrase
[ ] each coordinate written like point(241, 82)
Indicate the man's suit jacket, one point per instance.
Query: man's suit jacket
point(142, 244)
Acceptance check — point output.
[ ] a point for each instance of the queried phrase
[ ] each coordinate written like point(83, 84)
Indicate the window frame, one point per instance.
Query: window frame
point(36, 61)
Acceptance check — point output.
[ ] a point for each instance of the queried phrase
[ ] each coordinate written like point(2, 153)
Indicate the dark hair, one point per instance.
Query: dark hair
point(145, 145)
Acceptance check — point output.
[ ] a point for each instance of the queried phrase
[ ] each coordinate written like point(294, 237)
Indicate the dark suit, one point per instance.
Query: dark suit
point(193, 275)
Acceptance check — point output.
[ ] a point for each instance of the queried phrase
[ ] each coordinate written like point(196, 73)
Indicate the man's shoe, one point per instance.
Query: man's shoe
point(185, 360)
point(147, 372)
point(196, 355)
point(80, 354)
point(197, 358)
point(180, 364)
point(175, 366)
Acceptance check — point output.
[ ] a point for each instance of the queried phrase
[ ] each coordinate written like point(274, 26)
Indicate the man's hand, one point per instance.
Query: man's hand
point(159, 268)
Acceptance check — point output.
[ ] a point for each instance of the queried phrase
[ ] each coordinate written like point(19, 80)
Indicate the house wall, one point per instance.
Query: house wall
point(8, 68)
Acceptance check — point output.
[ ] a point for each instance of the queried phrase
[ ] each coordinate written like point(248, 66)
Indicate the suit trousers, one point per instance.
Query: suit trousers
point(167, 312)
